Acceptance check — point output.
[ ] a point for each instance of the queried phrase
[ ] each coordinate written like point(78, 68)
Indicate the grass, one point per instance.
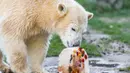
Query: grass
point(56, 47)
point(119, 31)
point(91, 49)
point(125, 69)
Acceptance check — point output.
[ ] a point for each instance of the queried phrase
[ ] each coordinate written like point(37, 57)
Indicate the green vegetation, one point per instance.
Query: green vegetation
point(125, 69)
point(118, 31)
point(91, 49)
point(56, 47)
point(126, 4)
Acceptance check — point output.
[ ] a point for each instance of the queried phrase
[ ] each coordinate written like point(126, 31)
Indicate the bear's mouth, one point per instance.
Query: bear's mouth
point(77, 44)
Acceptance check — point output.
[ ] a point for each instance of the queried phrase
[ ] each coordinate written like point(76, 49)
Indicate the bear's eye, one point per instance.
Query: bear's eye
point(73, 29)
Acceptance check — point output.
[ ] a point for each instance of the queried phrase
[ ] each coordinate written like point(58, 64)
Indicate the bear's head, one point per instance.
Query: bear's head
point(70, 20)
point(73, 23)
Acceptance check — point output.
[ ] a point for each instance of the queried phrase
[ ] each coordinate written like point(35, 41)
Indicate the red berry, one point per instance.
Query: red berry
point(85, 56)
point(82, 59)
point(77, 53)
point(74, 51)
point(79, 49)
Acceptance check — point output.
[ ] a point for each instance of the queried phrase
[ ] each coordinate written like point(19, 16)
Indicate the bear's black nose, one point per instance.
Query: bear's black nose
point(76, 44)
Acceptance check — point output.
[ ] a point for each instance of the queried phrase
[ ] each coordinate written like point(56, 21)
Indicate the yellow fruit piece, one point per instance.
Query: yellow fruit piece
point(79, 55)
point(74, 51)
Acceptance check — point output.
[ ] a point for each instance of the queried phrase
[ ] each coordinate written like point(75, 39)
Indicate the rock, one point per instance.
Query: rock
point(51, 64)
point(51, 61)
point(110, 49)
point(94, 37)
point(117, 51)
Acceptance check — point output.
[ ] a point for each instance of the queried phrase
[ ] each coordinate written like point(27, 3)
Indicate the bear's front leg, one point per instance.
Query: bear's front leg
point(37, 50)
point(15, 51)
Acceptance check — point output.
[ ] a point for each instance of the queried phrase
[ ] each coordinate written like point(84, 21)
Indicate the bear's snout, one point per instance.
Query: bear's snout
point(77, 44)
point(74, 44)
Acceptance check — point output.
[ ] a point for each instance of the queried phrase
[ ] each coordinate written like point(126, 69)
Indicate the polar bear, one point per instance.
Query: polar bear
point(27, 25)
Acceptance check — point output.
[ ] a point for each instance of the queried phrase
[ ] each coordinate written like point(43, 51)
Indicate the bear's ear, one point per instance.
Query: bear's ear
point(62, 9)
point(89, 15)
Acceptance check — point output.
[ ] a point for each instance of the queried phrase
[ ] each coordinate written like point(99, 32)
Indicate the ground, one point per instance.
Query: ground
point(97, 65)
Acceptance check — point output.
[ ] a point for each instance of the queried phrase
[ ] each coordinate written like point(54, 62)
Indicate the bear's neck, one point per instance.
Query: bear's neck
point(46, 16)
